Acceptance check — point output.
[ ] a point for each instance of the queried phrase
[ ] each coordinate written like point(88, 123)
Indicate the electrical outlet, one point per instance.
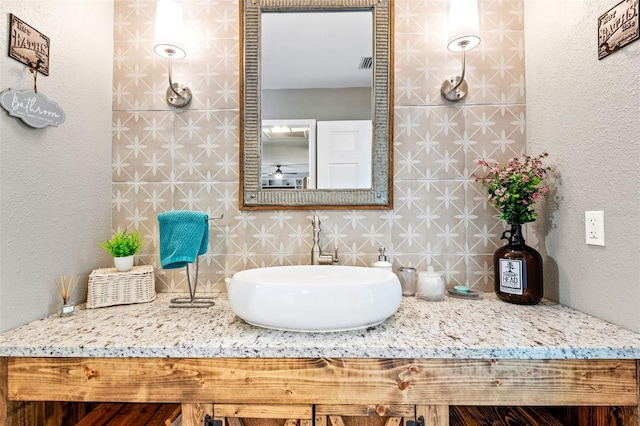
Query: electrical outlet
point(594, 228)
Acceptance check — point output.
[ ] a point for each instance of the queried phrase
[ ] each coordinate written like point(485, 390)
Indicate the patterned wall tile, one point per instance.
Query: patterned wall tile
point(496, 68)
point(420, 69)
point(136, 207)
point(278, 233)
point(167, 159)
point(212, 73)
point(140, 146)
point(501, 15)
point(421, 16)
point(208, 146)
point(480, 272)
point(497, 132)
point(413, 217)
point(484, 231)
point(428, 145)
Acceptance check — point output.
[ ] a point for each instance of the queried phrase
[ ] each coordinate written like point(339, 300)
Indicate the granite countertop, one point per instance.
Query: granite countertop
point(454, 328)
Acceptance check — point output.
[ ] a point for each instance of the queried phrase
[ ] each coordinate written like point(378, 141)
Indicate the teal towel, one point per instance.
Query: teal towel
point(184, 235)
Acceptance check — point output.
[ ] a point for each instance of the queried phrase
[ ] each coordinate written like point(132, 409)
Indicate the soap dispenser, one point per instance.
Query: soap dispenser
point(382, 262)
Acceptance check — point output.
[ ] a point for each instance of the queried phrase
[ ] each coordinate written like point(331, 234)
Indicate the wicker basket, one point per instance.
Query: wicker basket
point(108, 286)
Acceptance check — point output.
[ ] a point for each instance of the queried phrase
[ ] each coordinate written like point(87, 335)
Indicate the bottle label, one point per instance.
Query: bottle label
point(511, 276)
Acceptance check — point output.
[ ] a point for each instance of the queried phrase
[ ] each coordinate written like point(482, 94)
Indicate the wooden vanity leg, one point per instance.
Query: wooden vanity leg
point(4, 390)
point(434, 415)
point(637, 407)
point(193, 414)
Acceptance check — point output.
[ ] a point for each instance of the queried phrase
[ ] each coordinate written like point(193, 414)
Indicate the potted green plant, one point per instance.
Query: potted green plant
point(123, 246)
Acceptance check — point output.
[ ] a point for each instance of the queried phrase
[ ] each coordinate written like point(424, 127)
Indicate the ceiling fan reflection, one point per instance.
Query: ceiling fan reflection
point(279, 174)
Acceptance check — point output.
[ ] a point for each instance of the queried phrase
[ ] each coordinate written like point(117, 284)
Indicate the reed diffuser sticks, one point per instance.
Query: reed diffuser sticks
point(65, 287)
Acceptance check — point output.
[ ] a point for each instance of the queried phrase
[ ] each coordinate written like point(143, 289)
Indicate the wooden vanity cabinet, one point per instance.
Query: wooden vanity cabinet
point(333, 392)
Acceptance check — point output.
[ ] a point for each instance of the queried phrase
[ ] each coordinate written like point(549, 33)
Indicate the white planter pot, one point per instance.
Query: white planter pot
point(123, 264)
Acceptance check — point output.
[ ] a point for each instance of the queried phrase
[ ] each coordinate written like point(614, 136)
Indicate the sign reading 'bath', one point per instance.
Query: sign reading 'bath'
point(28, 45)
point(32, 108)
point(618, 27)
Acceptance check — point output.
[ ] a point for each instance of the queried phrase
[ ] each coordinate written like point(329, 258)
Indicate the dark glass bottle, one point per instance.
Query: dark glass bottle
point(518, 270)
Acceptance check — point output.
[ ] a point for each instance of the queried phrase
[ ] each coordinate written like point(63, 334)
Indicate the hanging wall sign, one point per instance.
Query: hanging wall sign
point(28, 45)
point(34, 109)
point(618, 27)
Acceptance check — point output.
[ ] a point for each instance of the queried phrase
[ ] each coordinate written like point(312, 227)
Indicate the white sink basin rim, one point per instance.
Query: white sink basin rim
point(314, 298)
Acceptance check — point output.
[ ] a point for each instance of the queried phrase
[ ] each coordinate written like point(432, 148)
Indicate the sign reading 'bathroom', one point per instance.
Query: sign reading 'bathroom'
point(34, 109)
point(618, 27)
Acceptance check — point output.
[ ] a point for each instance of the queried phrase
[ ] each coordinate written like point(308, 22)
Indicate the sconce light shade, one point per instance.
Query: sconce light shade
point(464, 29)
point(169, 36)
point(464, 34)
point(169, 44)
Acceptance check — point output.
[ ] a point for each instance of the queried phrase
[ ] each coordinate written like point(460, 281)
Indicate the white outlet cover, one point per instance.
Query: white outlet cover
point(594, 228)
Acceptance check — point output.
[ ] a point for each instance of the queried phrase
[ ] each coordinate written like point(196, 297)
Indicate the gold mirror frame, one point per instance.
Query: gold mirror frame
point(252, 196)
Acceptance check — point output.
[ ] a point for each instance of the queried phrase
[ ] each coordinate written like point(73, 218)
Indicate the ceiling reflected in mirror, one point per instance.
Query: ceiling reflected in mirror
point(326, 50)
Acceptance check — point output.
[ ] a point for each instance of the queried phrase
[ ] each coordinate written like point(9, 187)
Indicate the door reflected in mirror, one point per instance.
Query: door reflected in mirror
point(344, 154)
point(316, 67)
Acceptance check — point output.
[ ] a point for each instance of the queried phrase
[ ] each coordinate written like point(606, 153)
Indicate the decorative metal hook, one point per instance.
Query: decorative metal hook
point(34, 70)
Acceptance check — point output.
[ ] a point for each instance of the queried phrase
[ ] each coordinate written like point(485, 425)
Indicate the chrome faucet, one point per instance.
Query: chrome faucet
point(317, 257)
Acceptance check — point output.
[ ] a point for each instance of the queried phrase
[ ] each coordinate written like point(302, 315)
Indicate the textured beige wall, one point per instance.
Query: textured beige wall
point(55, 204)
point(189, 160)
point(586, 113)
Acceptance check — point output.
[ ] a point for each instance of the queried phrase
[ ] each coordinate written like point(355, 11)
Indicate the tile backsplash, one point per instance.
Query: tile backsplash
point(164, 159)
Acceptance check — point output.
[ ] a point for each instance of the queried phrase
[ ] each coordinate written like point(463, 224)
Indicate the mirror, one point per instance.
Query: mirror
point(316, 124)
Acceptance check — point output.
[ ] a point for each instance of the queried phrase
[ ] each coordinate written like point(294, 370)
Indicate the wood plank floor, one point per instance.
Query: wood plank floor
point(501, 416)
point(119, 414)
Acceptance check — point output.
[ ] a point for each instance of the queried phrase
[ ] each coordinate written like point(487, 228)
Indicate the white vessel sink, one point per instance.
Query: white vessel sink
point(314, 298)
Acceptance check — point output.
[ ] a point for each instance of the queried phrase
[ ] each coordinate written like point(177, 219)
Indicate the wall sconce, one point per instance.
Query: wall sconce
point(463, 35)
point(169, 44)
